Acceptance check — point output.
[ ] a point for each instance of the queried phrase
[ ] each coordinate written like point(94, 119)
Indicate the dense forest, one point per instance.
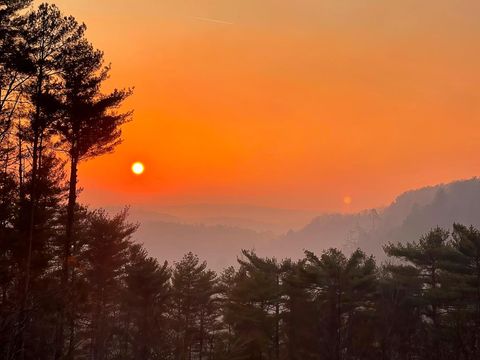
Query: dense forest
point(75, 286)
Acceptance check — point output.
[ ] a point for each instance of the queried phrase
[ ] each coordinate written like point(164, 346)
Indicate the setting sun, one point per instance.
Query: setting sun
point(138, 168)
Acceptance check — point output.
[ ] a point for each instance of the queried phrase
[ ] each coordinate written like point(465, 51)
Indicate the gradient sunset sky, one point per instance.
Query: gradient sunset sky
point(287, 103)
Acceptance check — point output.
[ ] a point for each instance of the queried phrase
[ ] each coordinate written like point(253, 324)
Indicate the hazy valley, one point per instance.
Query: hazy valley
point(217, 233)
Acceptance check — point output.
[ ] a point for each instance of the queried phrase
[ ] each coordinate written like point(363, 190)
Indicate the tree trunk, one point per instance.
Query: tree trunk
point(28, 262)
point(65, 285)
point(202, 317)
point(20, 165)
point(277, 321)
point(72, 200)
point(68, 287)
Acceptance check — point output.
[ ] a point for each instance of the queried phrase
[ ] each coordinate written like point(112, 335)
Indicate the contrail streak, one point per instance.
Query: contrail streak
point(216, 21)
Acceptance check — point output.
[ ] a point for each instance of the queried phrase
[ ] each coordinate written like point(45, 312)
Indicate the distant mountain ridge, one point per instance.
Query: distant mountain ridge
point(218, 244)
point(220, 234)
point(411, 214)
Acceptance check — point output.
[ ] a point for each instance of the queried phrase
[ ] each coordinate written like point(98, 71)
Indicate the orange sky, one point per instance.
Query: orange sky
point(287, 103)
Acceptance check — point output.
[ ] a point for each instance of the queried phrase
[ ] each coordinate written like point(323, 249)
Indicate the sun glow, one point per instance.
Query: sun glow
point(138, 168)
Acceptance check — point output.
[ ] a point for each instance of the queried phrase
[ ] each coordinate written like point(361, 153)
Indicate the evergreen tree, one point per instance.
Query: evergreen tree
point(32, 322)
point(343, 290)
point(301, 327)
point(253, 309)
point(430, 258)
point(145, 307)
point(107, 256)
point(46, 33)
point(89, 125)
point(15, 68)
point(398, 310)
point(465, 310)
point(193, 288)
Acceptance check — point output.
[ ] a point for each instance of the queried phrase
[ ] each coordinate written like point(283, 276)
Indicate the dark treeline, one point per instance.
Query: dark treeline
point(73, 285)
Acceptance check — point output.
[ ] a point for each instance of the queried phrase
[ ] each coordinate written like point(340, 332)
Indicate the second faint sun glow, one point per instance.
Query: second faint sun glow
point(138, 168)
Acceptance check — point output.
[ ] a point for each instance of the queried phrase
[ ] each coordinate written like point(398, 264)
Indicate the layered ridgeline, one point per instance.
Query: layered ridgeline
point(218, 233)
point(411, 214)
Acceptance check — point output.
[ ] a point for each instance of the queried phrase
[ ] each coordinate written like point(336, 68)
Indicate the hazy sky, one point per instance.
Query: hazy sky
point(287, 103)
